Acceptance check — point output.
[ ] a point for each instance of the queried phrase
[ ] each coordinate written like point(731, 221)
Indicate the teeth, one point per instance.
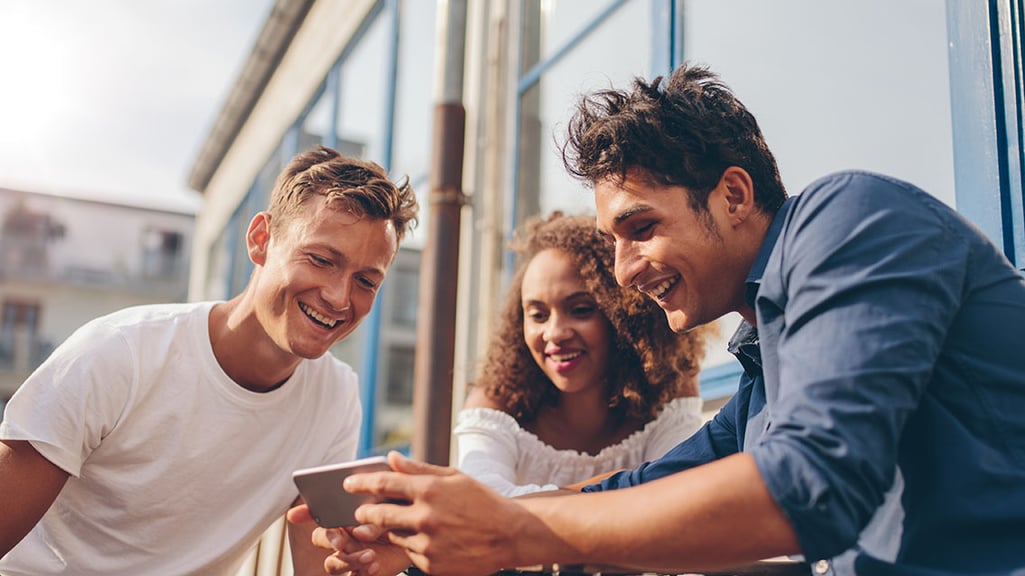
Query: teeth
point(565, 357)
point(659, 291)
point(317, 316)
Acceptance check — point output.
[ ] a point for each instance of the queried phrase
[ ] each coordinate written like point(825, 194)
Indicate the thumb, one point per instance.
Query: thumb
point(400, 463)
point(299, 514)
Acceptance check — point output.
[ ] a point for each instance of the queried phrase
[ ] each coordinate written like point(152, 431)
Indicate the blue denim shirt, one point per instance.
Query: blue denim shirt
point(889, 361)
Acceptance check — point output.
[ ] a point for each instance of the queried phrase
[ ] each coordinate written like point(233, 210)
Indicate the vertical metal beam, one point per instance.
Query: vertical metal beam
point(372, 349)
point(985, 101)
point(436, 321)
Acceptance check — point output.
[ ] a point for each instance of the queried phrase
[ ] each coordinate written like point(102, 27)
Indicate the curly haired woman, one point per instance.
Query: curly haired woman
point(582, 377)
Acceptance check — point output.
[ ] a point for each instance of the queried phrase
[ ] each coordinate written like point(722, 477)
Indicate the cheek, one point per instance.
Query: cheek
point(532, 337)
point(599, 336)
point(362, 301)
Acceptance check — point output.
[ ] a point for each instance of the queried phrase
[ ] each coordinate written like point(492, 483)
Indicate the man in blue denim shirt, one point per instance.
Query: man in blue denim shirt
point(879, 426)
point(890, 348)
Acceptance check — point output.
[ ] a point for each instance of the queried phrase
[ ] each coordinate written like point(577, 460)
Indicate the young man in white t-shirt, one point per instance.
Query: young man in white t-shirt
point(161, 439)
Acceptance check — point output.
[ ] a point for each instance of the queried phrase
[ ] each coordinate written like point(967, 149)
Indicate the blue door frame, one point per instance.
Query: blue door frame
point(987, 99)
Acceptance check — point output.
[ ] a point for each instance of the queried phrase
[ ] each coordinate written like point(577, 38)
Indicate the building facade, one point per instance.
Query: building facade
point(66, 260)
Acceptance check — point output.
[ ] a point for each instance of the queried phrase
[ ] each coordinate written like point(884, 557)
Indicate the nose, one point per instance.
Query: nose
point(557, 328)
point(338, 294)
point(627, 264)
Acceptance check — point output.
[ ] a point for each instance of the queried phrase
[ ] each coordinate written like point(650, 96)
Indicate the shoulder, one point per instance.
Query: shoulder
point(678, 410)
point(155, 314)
point(853, 217)
point(479, 398)
point(329, 377)
point(852, 196)
point(486, 420)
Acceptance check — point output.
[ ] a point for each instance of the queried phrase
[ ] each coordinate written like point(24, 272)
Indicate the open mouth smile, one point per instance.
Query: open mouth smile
point(565, 357)
point(659, 291)
point(317, 317)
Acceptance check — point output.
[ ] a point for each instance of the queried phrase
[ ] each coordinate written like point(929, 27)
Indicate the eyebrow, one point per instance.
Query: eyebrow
point(630, 213)
point(622, 217)
point(339, 256)
point(574, 296)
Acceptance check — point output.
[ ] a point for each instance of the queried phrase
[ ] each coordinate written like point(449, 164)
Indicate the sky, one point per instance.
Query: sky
point(113, 99)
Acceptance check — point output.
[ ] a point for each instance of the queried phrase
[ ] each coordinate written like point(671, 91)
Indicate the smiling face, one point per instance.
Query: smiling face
point(317, 275)
point(693, 264)
point(563, 327)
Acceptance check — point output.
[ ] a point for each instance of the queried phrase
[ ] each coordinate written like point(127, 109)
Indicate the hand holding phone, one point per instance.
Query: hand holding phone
point(321, 487)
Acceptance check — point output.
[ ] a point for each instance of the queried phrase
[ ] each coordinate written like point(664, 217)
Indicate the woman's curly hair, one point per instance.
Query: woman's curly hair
point(649, 363)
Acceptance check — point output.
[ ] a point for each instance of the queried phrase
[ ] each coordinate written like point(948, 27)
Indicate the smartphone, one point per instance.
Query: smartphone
point(321, 486)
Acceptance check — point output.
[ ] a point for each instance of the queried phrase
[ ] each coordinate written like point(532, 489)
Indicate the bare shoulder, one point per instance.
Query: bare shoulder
point(478, 398)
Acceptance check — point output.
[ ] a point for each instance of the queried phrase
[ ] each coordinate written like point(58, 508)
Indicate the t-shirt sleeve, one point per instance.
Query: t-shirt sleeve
point(68, 405)
point(487, 450)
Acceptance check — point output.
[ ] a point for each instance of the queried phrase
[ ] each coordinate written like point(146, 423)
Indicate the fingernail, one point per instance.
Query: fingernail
point(366, 556)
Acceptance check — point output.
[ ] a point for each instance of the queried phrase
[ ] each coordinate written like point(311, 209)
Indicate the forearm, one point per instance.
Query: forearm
point(714, 516)
point(29, 483)
point(307, 559)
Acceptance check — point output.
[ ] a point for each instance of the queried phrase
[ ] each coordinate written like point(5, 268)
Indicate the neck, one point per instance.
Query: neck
point(756, 231)
point(245, 352)
point(581, 422)
point(588, 414)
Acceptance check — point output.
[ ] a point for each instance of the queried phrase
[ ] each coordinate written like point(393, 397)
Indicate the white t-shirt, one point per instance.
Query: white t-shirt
point(175, 469)
point(495, 450)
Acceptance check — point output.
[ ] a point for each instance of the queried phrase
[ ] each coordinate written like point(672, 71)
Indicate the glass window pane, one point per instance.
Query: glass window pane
point(414, 101)
point(837, 85)
point(316, 127)
point(414, 106)
point(601, 59)
point(560, 20)
point(363, 103)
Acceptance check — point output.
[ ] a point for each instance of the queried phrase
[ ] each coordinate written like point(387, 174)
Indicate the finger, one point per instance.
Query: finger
point(330, 538)
point(367, 532)
point(387, 516)
point(393, 486)
point(361, 563)
point(407, 540)
point(400, 463)
point(299, 514)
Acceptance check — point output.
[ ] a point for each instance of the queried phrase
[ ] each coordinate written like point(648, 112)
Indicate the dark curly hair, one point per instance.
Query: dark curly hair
point(650, 364)
point(684, 132)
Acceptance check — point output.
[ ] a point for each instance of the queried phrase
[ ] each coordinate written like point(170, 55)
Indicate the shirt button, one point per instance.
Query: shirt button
point(821, 567)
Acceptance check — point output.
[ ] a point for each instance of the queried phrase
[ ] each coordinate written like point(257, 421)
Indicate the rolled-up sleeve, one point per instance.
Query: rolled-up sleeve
point(869, 281)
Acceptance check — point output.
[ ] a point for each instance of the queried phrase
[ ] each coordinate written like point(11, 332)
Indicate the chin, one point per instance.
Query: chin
point(678, 321)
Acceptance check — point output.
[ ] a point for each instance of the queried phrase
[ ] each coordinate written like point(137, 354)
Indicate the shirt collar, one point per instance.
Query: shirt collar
point(754, 275)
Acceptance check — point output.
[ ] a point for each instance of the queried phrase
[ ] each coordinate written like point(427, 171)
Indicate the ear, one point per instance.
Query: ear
point(258, 238)
point(738, 194)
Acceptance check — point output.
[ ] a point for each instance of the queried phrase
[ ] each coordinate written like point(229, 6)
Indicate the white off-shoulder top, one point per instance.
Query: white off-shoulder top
point(495, 450)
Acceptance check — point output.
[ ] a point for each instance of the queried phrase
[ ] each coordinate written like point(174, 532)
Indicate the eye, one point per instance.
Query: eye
point(642, 230)
point(583, 310)
point(319, 260)
point(535, 315)
point(367, 283)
